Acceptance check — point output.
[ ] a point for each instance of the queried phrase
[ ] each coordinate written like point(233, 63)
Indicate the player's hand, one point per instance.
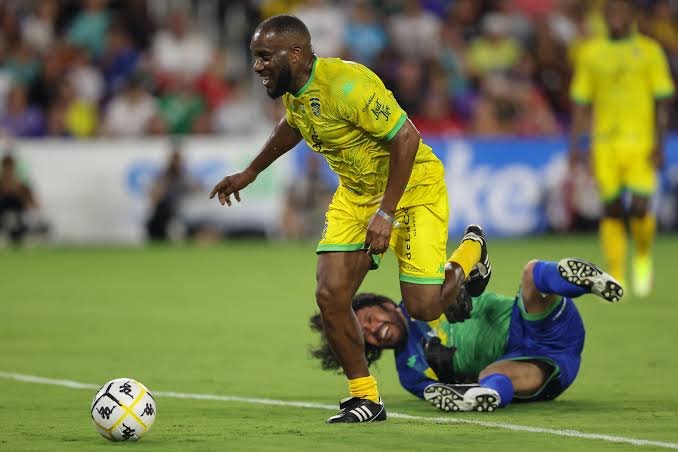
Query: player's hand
point(658, 158)
point(231, 185)
point(378, 235)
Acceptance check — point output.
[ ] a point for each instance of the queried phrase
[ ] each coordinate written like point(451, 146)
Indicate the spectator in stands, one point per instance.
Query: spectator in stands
point(85, 78)
point(495, 50)
point(364, 37)
point(550, 68)
point(22, 63)
point(88, 29)
point(464, 16)
point(212, 84)
point(512, 107)
point(415, 32)
point(662, 26)
point(18, 206)
point(451, 59)
point(535, 10)
point(44, 90)
point(120, 59)
point(21, 119)
point(326, 23)
point(518, 26)
point(475, 38)
point(133, 112)
point(408, 85)
point(244, 114)
point(37, 29)
point(5, 87)
point(182, 108)
point(179, 52)
point(10, 29)
point(71, 116)
point(436, 117)
point(166, 195)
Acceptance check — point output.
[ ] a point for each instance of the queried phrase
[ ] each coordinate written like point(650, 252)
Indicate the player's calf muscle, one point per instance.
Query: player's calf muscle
point(526, 376)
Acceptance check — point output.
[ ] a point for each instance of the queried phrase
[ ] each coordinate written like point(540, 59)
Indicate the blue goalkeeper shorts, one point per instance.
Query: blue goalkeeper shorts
point(554, 337)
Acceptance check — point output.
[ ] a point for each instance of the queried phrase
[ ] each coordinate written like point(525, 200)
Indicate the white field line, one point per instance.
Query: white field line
point(437, 420)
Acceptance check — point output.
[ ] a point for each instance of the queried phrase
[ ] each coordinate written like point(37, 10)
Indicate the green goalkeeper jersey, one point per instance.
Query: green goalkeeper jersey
point(480, 341)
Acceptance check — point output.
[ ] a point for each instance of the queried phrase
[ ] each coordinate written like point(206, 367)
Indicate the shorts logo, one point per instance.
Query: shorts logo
point(315, 106)
point(408, 239)
point(324, 233)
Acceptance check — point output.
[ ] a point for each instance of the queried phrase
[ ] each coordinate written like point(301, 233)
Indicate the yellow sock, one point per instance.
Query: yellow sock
point(466, 255)
point(365, 388)
point(614, 244)
point(642, 230)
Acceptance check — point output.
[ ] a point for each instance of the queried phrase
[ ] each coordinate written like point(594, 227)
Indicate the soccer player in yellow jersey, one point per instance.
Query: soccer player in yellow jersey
point(624, 82)
point(392, 194)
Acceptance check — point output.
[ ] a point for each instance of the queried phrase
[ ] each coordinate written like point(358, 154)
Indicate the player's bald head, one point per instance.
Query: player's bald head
point(287, 28)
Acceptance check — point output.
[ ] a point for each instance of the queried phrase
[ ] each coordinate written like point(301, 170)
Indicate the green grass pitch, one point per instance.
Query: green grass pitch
point(232, 320)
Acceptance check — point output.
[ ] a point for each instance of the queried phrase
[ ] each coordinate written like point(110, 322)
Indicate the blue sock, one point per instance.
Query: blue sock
point(547, 279)
point(500, 383)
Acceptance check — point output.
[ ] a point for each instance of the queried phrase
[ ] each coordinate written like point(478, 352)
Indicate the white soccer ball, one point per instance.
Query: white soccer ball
point(123, 410)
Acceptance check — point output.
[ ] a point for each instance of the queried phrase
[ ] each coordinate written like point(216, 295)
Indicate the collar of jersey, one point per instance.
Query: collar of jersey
point(310, 79)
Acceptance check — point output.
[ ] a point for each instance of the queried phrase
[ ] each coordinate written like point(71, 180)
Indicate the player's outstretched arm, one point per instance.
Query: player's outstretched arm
point(283, 138)
point(403, 147)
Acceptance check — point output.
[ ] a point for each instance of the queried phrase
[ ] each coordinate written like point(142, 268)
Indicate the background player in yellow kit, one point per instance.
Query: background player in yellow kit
point(388, 177)
point(624, 81)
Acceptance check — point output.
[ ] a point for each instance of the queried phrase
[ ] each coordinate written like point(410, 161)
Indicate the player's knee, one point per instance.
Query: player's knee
point(639, 208)
point(528, 279)
point(327, 296)
point(614, 209)
point(425, 310)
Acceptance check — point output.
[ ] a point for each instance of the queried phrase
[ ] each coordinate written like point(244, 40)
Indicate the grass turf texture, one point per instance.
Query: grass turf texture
point(232, 320)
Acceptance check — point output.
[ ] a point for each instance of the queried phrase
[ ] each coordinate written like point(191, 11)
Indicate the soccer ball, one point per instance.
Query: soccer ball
point(123, 409)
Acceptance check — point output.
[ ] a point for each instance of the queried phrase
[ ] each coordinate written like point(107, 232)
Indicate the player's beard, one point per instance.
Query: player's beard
point(282, 83)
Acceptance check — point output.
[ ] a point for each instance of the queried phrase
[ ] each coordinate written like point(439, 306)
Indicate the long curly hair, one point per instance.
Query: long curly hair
point(324, 352)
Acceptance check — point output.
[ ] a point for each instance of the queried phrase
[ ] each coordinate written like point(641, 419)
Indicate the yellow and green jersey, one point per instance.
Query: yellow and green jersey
point(621, 80)
point(345, 113)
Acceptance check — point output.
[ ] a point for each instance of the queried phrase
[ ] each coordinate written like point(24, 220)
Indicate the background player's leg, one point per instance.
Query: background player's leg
point(609, 166)
point(643, 225)
point(613, 239)
point(338, 276)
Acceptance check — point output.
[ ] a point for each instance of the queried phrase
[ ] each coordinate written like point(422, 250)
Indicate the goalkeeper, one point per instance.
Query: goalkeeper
point(495, 349)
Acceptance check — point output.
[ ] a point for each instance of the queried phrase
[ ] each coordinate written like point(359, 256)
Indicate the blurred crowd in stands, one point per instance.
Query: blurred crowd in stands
point(120, 68)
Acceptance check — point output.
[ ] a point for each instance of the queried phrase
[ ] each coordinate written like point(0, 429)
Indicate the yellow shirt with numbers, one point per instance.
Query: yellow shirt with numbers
point(345, 113)
point(621, 80)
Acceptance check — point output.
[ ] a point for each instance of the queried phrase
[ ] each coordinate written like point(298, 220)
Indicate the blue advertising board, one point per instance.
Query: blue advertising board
point(500, 183)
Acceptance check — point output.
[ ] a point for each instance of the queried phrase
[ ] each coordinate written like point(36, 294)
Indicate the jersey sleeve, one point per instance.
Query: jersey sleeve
point(660, 76)
point(581, 87)
point(413, 371)
point(366, 103)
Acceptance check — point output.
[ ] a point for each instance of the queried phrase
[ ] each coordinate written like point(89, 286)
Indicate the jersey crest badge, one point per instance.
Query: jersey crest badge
point(315, 106)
